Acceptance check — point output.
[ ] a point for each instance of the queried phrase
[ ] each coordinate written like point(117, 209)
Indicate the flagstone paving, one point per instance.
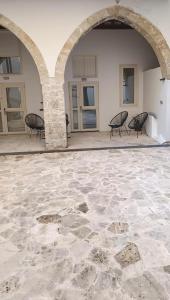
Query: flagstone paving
point(85, 225)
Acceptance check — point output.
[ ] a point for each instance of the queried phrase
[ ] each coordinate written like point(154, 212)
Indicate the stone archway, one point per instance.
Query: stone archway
point(29, 44)
point(135, 20)
point(39, 62)
point(124, 14)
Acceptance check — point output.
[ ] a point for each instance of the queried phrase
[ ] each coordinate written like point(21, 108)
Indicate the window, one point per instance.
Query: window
point(84, 66)
point(10, 65)
point(128, 84)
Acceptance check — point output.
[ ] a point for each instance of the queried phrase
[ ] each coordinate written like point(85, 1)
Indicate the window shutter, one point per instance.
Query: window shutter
point(84, 66)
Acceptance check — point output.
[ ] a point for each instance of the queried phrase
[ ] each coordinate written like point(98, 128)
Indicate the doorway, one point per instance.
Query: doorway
point(84, 106)
point(12, 108)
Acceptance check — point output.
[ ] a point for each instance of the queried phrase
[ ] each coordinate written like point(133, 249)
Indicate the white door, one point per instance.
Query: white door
point(12, 108)
point(84, 106)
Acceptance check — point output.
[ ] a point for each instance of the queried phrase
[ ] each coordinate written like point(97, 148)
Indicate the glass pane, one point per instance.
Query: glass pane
point(89, 119)
point(16, 64)
point(3, 65)
point(15, 121)
point(75, 119)
point(13, 97)
point(74, 96)
point(128, 85)
point(1, 123)
point(88, 96)
point(10, 65)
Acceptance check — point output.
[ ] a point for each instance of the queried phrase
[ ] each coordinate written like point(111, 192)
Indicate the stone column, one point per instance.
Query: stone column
point(54, 114)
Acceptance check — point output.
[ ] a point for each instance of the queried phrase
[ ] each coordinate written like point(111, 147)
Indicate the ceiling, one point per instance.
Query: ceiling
point(113, 24)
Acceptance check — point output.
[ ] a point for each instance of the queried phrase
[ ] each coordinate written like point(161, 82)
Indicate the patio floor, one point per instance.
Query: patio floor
point(83, 140)
point(85, 225)
point(21, 143)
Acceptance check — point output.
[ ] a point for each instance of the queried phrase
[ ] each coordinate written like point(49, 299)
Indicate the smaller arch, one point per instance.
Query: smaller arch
point(149, 31)
point(29, 44)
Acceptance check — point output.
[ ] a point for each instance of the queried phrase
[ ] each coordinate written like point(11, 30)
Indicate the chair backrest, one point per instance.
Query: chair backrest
point(34, 121)
point(120, 118)
point(138, 121)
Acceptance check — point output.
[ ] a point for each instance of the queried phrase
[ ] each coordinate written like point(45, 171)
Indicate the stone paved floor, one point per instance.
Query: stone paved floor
point(21, 143)
point(102, 139)
point(24, 143)
point(85, 225)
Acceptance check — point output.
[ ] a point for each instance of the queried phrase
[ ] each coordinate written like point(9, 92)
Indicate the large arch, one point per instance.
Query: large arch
point(149, 31)
point(56, 135)
point(39, 62)
point(29, 44)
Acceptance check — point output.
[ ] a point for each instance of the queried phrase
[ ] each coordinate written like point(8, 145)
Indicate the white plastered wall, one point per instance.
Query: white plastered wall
point(112, 48)
point(50, 23)
point(11, 46)
point(157, 101)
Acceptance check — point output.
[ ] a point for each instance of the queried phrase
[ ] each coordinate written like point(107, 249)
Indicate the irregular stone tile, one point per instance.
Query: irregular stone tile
point(118, 228)
point(83, 207)
point(60, 270)
point(68, 295)
point(85, 278)
point(128, 255)
point(100, 209)
point(98, 256)
point(44, 256)
point(138, 194)
point(9, 286)
point(92, 235)
point(144, 287)
point(86, 190)
point(105, 281)
point(82, 232)
point(7, 250)
point(167, 269)
point(73, 221)
point(45, 219)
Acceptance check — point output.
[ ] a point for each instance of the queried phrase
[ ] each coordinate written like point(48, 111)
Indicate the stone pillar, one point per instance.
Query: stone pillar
point(54, 114)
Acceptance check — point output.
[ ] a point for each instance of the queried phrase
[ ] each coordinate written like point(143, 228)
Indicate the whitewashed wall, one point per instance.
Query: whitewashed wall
point(157, 101)
point(11, 46)
point(112, 48)
point(50, 23)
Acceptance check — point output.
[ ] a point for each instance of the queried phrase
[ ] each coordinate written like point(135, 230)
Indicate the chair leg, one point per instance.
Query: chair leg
point(120, 132)
point(30, 132)
point(137, 134)
point(126, 129)
point(111, 133)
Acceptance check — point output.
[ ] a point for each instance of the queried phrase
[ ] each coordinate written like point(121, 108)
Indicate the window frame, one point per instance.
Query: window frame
point(7, 58)
point(121, 68)
point(84, 56)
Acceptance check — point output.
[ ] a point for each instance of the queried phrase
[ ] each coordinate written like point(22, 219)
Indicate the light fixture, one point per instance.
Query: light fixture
point(117, 1)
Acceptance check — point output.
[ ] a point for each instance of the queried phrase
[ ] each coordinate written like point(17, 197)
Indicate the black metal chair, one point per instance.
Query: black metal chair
point(118, 121)
point(35, 122)
point(138, 122)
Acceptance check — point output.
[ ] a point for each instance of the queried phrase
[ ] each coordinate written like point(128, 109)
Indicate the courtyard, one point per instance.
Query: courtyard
point(77, 141)
point(88, 225)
